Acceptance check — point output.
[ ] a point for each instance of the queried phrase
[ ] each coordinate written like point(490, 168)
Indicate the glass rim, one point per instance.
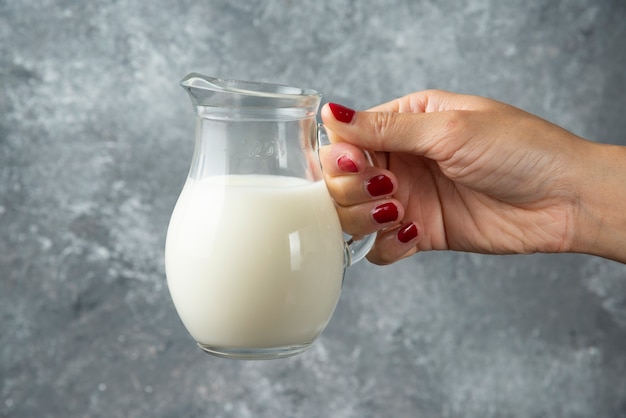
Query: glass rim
point(246, 88)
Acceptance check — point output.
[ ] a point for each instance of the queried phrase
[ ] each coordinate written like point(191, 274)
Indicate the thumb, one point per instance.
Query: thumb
point(416, 133)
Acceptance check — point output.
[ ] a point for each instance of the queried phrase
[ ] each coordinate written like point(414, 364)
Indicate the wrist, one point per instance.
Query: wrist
point(600, 220)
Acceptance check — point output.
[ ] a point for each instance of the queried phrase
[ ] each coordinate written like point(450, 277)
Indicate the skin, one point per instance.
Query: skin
point(476, 175)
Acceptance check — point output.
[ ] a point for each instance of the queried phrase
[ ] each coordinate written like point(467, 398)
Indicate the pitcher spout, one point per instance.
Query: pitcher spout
point(201, 89)
point(246, 96)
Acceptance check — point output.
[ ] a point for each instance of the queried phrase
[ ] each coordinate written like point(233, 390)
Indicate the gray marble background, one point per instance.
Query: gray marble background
point(95, 143)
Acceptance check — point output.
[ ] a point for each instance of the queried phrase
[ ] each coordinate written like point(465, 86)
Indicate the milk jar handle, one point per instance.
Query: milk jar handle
point(356, 247)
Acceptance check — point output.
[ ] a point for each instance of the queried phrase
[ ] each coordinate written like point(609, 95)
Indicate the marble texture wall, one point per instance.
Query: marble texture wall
point(95, 143)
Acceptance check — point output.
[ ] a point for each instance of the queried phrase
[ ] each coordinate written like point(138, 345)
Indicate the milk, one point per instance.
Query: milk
point(254, 261)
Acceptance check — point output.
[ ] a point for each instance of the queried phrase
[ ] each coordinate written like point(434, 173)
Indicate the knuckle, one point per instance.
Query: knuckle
point(382, 122)
point(454, 127)
point(454, 122)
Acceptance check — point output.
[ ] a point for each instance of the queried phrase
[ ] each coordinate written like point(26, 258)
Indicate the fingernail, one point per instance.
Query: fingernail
point(379, 186)
point(341, 113)
point(387, 212)
point(346, 164)
point(407, 233)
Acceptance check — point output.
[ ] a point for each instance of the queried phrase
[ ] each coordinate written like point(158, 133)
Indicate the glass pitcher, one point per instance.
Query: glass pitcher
point(255, 255)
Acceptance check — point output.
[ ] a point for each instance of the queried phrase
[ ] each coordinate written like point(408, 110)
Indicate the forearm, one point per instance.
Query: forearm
point(600, 220)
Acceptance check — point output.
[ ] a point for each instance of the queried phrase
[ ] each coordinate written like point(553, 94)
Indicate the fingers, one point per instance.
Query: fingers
point(417, 124)
point(370, 217)
point(429, 101)
point(377, 131)
point(363, 193)
point(395, 244)
point(365, 203)
point(342, 158)
point(351, 179)
point(436, 125)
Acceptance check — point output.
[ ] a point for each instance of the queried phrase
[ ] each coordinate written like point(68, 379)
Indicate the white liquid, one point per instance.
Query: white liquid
point(254, 261)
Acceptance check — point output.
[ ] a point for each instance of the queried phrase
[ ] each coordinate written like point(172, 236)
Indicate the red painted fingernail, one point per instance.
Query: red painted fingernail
point(341, 113)
point(346, 164)
point(407, 233)
point(379, 186)
point(387, 212)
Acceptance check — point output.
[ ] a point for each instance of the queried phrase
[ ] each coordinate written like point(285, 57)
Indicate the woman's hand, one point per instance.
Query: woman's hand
point(457, 172)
